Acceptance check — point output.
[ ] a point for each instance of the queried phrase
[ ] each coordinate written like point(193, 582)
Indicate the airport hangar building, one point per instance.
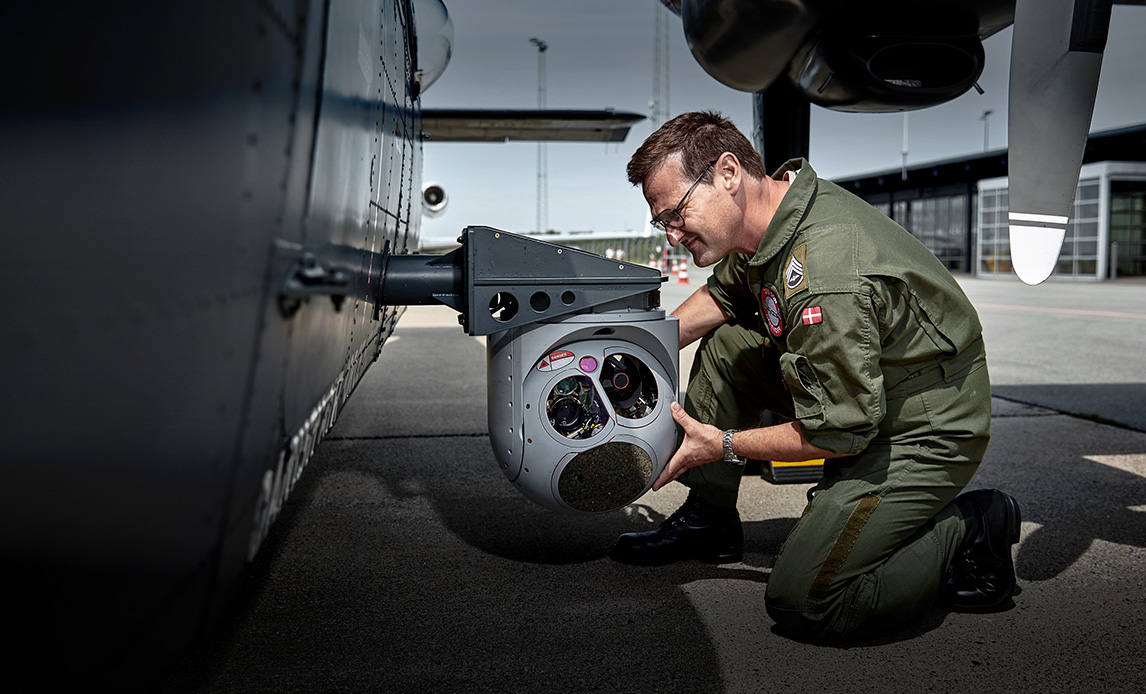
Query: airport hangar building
point(958, 209)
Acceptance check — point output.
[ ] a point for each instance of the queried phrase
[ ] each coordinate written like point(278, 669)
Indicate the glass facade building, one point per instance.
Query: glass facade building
point(959, 209)
point(1105, 235)
point(1128, 228)
point(940, 217)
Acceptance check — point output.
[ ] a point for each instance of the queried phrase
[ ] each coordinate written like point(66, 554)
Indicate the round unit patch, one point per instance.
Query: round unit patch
point(772, 311)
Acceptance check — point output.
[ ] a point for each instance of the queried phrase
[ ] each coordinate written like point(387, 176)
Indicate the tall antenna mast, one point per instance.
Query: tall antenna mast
point(542, 152)
point(659, 104)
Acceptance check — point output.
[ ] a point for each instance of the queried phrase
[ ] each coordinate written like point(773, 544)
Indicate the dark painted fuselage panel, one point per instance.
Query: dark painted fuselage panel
point(166, 166)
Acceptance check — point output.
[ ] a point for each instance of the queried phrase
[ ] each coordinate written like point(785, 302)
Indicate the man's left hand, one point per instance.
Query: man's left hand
point(703, 443)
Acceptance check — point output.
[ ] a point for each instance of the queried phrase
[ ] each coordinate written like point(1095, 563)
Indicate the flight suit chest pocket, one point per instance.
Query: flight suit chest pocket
point(807, 392)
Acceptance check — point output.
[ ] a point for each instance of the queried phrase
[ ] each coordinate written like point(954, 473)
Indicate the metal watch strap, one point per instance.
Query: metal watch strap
point(729, 456)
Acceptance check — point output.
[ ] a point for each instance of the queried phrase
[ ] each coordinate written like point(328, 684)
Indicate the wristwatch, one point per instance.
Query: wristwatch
point(730, 457)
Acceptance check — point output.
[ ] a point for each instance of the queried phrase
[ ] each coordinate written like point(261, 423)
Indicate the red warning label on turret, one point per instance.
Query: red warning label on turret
point(556, 360)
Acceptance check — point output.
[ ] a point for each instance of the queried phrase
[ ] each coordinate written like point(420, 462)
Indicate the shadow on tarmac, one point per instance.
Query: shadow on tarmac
point(431, 573)
point(1121, 404)
point(1058, 497)
point(404, 561)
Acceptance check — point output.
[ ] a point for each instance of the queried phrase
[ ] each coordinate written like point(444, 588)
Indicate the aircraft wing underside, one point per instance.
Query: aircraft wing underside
point(478, 125)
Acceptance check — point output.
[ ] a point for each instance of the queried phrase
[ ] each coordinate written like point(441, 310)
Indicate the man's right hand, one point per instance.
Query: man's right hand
point(703, 444)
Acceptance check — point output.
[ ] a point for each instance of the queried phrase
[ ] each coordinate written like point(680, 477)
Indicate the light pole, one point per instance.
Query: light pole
point(986, 129)
point(903, 166)
point(542, 153)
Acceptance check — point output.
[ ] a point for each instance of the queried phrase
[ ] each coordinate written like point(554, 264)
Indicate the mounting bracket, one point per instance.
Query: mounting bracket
point(498, 280)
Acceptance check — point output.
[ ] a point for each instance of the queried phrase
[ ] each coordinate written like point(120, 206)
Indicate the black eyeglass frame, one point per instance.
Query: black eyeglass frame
point(674, 218)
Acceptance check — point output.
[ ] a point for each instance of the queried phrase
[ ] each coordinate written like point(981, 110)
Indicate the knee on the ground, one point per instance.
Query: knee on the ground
point(799, 617)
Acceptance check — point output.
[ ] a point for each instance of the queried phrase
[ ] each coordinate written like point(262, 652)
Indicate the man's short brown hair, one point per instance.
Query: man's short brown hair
point(698, 137)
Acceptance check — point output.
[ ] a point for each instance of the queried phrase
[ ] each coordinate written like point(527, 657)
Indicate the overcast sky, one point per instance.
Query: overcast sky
point(601, 56)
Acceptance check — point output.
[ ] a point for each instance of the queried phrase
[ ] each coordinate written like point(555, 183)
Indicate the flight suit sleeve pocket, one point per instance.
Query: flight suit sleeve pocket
point(807, 393)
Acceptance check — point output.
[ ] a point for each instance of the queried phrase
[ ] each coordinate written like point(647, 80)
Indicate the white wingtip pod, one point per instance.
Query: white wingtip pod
point(1035, 249)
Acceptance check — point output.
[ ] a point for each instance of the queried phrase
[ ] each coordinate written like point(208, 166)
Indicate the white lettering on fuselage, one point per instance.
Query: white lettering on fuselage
point(279, 481)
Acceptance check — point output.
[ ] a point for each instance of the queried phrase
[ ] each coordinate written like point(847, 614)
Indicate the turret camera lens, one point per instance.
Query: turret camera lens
point(567, 415)
point(629, 385)
point(574, 409)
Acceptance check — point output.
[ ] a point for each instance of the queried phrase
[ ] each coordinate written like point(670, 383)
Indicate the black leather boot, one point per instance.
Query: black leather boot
point(982, 575)
point(698, 530)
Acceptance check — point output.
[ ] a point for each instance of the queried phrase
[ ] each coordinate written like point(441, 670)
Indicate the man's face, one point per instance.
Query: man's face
point(708, 228)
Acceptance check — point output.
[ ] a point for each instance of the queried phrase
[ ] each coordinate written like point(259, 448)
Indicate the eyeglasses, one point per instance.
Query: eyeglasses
point(672, 218)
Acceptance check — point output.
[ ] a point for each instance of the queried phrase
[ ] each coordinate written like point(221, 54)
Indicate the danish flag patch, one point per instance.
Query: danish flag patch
point(812, 315)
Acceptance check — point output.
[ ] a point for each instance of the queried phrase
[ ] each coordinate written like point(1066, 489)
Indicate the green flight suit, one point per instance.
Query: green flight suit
point(845, 322)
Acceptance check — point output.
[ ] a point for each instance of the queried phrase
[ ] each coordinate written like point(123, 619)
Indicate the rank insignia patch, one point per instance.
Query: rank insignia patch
point(795, 273)
point(772, 312)
point(812, 315)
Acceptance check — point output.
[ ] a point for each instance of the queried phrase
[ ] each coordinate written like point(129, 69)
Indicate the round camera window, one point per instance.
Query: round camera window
point(574, 409)
point(605, 478)
point(629, 385)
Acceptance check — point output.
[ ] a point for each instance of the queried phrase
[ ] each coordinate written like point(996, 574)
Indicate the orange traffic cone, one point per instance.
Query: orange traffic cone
point(682, 275)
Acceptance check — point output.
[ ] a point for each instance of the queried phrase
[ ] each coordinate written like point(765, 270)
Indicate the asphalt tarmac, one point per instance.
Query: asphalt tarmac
point(404, 560)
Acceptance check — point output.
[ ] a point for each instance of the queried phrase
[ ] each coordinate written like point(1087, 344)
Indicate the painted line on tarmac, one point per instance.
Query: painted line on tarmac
point(1067, 311)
